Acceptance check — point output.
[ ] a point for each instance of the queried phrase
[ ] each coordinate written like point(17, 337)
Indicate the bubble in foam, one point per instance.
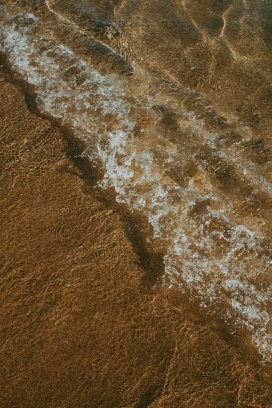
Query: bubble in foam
point(206, 251)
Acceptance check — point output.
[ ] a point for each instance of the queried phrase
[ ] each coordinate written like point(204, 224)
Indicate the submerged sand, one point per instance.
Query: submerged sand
point(162, 300)
point(195, 161)
point(80, 327)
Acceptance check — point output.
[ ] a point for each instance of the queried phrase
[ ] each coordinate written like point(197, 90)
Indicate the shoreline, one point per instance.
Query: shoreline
point(206, 194)
point(130, 228)
point(85, 314)
point(135, 225)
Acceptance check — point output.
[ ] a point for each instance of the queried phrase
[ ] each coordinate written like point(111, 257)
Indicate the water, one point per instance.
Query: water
point(201, 187)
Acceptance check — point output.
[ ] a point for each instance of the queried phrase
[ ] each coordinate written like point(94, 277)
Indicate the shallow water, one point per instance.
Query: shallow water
point(196, 167)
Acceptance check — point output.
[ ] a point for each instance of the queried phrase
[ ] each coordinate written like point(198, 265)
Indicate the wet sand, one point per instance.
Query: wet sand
point(86, 320)
point(80, 327)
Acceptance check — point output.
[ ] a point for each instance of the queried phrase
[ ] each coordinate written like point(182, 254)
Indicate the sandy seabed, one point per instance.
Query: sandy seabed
point(85, 321)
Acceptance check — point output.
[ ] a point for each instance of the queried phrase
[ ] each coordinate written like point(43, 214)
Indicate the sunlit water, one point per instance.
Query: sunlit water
point(213, 249)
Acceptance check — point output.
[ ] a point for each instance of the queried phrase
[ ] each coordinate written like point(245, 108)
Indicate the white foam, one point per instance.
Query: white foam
point(193, 260)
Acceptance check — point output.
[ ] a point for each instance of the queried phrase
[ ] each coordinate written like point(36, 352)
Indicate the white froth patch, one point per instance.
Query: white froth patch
point(193, 260)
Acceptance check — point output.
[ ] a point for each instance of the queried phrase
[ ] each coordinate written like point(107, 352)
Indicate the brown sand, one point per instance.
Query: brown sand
point(80, 327)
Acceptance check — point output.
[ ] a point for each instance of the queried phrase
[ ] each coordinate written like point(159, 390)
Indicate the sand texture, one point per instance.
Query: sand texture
point(136, 197)
point(79, 328)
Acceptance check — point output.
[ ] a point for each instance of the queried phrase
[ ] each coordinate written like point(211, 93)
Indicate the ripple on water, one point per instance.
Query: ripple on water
point(208, 250)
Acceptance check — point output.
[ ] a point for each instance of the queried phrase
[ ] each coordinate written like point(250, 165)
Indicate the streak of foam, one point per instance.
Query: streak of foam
point(99, 113)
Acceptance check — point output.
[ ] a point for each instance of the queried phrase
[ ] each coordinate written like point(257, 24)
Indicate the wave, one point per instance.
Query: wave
point(202, 188)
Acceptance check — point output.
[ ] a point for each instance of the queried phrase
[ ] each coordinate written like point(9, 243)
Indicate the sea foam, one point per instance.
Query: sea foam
point(211, 255)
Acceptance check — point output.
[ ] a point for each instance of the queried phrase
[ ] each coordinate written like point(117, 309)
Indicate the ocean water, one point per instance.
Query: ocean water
point(208, 201)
